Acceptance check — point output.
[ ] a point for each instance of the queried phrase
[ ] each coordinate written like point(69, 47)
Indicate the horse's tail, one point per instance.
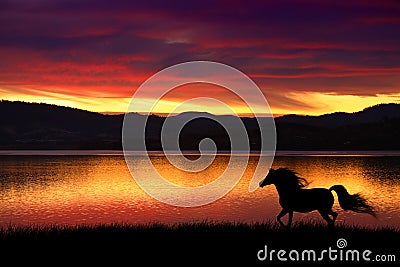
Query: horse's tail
point(353, 202)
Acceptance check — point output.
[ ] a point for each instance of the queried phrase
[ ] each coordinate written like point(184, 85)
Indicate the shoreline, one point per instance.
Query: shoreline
point(194, 153)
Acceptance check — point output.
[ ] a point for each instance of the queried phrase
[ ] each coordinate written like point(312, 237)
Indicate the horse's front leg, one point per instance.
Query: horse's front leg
point(280, 215)
point(290, 219)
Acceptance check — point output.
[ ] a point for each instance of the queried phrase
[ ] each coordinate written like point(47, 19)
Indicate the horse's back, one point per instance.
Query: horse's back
point(306, 200)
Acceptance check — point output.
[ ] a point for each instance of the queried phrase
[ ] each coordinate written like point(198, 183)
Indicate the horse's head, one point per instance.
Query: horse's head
point(269, 179)
point(285, 177)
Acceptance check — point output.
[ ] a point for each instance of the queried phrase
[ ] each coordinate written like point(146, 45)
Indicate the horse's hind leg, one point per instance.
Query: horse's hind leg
point(334, 214)
point(326, 217)
point(280, 215)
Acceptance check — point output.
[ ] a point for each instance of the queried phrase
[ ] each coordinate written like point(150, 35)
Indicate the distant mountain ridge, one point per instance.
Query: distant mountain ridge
point(43, 126)
point(338, 119)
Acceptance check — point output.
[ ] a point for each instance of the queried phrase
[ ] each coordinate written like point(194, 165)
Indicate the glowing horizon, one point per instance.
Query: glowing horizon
point(275, 113)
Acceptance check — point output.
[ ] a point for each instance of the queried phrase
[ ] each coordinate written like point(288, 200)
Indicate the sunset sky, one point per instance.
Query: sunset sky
point(307, 56)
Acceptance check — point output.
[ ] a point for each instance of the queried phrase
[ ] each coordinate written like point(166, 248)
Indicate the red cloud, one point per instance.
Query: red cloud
point(108, 50)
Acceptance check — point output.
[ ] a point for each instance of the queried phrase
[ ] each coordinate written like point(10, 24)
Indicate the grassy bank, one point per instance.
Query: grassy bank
point(204, 243)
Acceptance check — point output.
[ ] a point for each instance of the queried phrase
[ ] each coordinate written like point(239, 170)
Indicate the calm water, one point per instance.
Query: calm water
point(98, 188)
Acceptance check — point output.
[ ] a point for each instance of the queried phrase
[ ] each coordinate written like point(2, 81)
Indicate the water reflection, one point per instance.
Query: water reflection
point(99, 189)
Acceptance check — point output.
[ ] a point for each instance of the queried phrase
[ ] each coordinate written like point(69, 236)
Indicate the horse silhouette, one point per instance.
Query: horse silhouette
point(293, 197)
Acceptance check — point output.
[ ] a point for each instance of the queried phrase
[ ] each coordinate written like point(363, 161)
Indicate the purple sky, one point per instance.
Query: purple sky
point(308, 57)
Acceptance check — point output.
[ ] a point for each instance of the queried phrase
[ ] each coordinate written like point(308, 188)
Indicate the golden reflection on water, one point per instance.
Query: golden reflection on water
point(186, 178)
point(100, 189)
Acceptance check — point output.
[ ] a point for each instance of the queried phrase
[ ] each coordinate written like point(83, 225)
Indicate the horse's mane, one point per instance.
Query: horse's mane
point(291, 179)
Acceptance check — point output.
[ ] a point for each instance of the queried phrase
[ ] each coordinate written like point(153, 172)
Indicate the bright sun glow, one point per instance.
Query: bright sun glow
point(329, 103)
point(314, 103)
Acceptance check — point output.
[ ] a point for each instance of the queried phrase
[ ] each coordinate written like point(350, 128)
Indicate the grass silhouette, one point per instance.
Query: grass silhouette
point(197, 243)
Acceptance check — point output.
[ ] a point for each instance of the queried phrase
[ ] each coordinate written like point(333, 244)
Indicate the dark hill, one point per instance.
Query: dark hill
point(42, 126)
point(374, 128)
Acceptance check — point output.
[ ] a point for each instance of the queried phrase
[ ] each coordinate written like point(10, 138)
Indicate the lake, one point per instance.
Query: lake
point(81, 187)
